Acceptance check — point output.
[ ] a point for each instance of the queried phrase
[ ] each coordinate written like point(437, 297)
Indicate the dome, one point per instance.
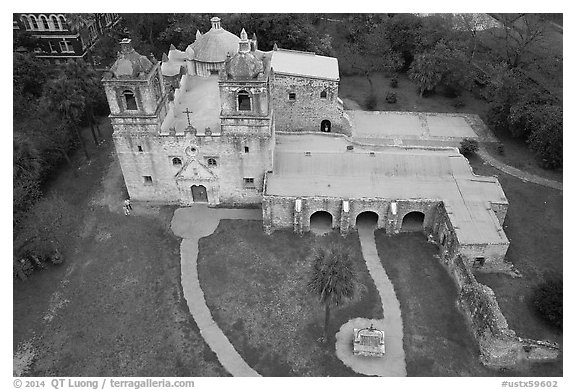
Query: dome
point(214, 45)
point(130, 64)
point(244, 66)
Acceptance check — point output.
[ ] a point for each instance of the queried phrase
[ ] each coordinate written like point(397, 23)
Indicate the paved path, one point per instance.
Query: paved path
point(395, 364)
point(192, 223)
point(524, 176)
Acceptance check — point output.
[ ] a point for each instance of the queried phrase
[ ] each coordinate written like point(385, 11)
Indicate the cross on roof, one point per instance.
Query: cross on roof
point(187, 111)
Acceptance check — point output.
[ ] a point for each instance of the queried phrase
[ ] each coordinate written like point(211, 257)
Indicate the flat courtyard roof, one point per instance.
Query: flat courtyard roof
point(326, 169)
point(411, 128)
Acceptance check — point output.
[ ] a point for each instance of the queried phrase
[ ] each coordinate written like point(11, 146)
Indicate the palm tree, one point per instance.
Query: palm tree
point(67, 99)
point(333, 278)
point(88, 82)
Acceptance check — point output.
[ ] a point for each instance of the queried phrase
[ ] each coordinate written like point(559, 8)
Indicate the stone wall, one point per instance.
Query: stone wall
point(499, 345)
point(307, 111)
point(224, 182)
point(279, 212)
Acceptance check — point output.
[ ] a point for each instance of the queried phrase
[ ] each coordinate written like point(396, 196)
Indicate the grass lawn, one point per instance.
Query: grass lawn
point(255, 286)
point(534, 227)
point(437, 341)
point(115, 307)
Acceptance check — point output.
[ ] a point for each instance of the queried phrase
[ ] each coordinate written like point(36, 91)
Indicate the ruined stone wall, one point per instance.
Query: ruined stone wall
point(500, 209)
point(308, 110)
point(499, 345)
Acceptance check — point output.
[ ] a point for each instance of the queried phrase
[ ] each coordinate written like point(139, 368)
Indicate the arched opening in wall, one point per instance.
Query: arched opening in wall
point(244, 101)
point(323, 94)
point(129, 100)
point(321, 222)
point(25, 22)
point(44, 22)
point(413, 222)
point(325, 126)
point(55, 23)
point(367, 220)
point(199, 194)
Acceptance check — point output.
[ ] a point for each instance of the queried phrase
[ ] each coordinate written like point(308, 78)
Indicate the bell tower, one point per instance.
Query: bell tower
point(135, 90)
point(138, 104)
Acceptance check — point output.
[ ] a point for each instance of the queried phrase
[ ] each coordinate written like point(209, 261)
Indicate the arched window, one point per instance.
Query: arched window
point(34, 22)
point(129, 100)
point(323, 95)
point(54, 21)
point(44, 21)
point(62, 22)
point(244, 103)
point(212, 162)
point(176, 161)
point(26, 22)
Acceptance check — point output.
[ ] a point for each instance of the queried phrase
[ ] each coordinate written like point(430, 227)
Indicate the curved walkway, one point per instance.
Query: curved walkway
point(192, 223)
point(392, 322)
point(524, 176)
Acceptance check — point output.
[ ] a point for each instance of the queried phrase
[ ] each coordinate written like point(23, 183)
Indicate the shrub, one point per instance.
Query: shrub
point(458, 103)
point(468, 146)
point(371, 101)
point(394, 81)
point(548, 302)
point(391, 98)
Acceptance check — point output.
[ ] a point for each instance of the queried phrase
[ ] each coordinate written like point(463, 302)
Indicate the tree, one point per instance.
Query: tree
point(26, 176)
point(518, 35)
point(369, 51)
point(48, 226)
point(88, 83)
point(440, 65)
point(548, 301)
point(64, 97)
point(403, 33)
point(546, 138)
point(333, 278)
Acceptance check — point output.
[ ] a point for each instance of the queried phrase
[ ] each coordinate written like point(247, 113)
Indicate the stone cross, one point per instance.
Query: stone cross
point(188, 112)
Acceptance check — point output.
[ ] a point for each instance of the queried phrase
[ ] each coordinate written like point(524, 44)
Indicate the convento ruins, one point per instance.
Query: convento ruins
point(224, 123)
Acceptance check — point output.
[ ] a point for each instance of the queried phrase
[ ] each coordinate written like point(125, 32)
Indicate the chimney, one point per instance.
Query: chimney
point(215, 23)
point(126, 46)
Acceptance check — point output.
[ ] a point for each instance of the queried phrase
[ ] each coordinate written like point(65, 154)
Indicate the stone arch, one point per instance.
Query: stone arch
point(129, 98)
point(33, 22)
point(326, 126)
point(321, 222)
point(199, 194)
point(413, 221)
point(44, 20)
point(62, 22)
point(26, 22)
point(367, 219)
point(243, 100)
point(54, 20)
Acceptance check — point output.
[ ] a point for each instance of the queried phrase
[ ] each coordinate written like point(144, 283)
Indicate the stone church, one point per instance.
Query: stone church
point(224, 123)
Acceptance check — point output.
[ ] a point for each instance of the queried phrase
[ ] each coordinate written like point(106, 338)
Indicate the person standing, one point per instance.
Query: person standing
point(128, 204)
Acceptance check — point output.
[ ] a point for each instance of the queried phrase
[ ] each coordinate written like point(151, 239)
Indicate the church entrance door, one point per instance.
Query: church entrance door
point(199, 194)
point(325, 126)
